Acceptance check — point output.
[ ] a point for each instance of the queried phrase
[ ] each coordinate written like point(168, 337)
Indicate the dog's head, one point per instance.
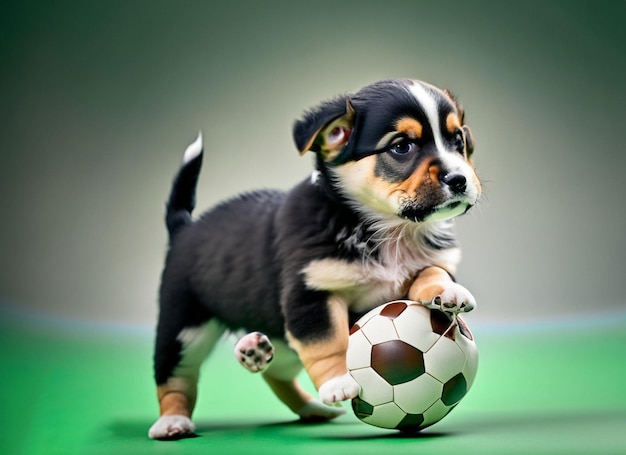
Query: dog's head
point(397, 147)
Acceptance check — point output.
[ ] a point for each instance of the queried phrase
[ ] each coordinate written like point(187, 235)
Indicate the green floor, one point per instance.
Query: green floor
point(547, 390)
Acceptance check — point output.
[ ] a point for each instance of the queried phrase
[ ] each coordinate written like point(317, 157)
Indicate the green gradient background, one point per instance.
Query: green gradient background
point(99, 99)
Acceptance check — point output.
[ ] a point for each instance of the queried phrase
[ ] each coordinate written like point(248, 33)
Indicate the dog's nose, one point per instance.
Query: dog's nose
point(456, 182)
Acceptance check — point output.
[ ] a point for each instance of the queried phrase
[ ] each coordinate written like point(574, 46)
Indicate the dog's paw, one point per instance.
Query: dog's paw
point(254, 351)
point(338, 389)
point(315, 410)
point(454, 299)
point(172, 427)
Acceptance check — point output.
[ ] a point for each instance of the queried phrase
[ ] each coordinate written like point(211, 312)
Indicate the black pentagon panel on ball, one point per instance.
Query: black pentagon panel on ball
point(454, 390)
point(362, 408)
point(397, 362)
point(441, 324)
point(393, 310)
point(411, 423)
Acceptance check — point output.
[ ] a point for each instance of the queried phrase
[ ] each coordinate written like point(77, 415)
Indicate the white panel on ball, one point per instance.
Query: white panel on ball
point(374, 389)
point(359, 351)
point(388, 415)
point(417, 395)
point(413, 327)
point(379, 329)
point(444, 359)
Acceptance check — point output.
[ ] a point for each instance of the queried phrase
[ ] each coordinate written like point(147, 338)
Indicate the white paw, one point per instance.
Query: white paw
point(316, 410)
point(254, 351)
point(338, 389)
point(454, 299)
point(172, 426)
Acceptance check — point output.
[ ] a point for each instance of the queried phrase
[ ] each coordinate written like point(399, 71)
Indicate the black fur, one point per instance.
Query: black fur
point(182, 198)
point(251, 247)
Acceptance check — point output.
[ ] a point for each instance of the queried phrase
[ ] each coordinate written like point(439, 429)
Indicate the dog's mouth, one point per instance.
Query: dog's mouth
point(450, 210)
point(418, 213)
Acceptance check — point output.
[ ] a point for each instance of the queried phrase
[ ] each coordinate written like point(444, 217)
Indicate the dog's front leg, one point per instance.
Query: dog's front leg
point(324, 354)
point(435, 288)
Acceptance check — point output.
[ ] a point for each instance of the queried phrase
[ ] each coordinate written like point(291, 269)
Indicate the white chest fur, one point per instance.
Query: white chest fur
point(389, 264)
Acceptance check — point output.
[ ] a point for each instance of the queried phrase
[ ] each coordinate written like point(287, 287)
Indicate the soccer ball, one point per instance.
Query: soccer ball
point(414, 365)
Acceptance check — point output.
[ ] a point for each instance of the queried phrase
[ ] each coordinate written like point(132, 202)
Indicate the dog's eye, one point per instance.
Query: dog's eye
point(403, 148)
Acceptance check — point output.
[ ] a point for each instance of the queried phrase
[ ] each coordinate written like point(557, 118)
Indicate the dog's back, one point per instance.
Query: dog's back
point(220, 264)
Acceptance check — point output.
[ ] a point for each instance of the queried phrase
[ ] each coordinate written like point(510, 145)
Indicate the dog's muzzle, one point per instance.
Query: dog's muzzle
point(453, 197)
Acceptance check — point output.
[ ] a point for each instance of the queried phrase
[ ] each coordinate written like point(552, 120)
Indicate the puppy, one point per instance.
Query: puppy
point(373, 224)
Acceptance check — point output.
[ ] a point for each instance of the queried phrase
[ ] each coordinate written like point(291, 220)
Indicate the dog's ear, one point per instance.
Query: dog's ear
point(469, 140)
point(325, 129)
point(469, 137)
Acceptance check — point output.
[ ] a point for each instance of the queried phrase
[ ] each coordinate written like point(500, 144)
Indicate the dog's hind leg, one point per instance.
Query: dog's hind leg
point(177, 366)
point(281, 376)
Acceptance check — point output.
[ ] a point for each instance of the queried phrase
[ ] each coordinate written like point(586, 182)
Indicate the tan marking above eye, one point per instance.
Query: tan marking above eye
point(409, 126)
point(452, 122)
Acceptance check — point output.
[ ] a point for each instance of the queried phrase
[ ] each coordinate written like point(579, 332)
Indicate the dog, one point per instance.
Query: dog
point(374, 223)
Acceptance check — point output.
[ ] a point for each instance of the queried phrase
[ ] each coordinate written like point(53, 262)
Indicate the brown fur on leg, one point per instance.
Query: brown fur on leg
point(430, 283)
point(176, 397)
point(326, 359)
point(176, 401)
point(281, 376)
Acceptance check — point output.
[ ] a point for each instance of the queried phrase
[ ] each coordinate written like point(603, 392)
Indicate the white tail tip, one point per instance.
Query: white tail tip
point(194, 149)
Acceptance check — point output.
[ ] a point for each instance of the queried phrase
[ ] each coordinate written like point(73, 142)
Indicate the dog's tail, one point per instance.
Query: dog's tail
point(182, 198)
